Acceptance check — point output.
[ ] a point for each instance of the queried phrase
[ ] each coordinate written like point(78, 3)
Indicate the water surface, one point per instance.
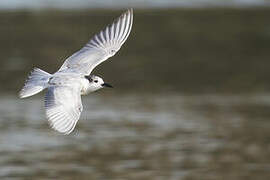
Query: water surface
point(140, 137)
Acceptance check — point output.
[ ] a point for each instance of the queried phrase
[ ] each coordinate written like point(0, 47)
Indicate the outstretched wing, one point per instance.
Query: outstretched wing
point(63, 108)
point(102, 46)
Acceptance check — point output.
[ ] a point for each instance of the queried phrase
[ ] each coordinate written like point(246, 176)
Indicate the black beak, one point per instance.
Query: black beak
point(107, 85)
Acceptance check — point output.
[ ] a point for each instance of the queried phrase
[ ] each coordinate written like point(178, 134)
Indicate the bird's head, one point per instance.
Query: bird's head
point(96, 83)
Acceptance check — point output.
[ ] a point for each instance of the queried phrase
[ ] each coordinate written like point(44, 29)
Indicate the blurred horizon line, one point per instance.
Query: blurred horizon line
point(119, 4)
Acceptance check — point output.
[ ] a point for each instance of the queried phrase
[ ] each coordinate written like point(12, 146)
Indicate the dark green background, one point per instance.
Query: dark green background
point(176, 50)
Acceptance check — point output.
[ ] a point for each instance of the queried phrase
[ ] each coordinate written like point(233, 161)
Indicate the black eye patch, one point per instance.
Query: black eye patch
point(95, 81)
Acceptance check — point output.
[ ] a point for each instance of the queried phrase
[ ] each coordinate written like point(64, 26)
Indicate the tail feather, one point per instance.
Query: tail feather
point(35, 83)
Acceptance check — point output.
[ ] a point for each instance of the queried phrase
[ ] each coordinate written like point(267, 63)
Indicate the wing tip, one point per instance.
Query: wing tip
point(130, 10)
point(60, 130)
point(56, 123)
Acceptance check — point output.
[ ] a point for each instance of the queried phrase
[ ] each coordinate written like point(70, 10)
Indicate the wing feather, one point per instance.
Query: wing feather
point(101, 47)
point(63, 108)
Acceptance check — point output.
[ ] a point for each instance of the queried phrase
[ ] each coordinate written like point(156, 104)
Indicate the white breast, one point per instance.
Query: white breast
point(85, 86)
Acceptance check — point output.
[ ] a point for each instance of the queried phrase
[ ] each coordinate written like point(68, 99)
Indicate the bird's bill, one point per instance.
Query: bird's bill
point(107, 85)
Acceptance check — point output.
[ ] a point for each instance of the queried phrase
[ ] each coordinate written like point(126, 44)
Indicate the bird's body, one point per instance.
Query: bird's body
point(70, 79)
point(65, 87)
point(85, 84)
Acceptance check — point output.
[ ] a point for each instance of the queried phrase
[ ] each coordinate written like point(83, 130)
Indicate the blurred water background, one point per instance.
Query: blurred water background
point(191, 97)
point(116, 4)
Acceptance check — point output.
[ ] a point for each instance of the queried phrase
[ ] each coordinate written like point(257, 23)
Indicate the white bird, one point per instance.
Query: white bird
point(63, 99)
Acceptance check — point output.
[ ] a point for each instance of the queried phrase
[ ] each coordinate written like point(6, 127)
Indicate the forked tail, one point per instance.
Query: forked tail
point(36, 82)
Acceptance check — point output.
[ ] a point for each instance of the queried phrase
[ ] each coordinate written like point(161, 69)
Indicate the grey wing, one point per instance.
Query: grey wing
point(63, 108)
point(102, 46)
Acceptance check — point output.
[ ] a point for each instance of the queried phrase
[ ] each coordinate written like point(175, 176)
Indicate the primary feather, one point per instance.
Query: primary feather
point(102, 46)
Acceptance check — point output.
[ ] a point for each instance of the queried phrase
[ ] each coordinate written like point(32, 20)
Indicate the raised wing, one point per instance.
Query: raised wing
point(63, 108)
point(102, 46)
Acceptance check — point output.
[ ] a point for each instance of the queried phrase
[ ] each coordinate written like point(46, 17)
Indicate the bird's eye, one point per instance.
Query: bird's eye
point(95, 81)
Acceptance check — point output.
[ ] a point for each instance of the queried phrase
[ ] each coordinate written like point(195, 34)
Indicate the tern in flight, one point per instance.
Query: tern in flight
point(63, 98)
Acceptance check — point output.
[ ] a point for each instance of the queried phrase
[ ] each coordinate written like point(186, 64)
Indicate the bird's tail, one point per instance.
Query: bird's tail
point(36, 82)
